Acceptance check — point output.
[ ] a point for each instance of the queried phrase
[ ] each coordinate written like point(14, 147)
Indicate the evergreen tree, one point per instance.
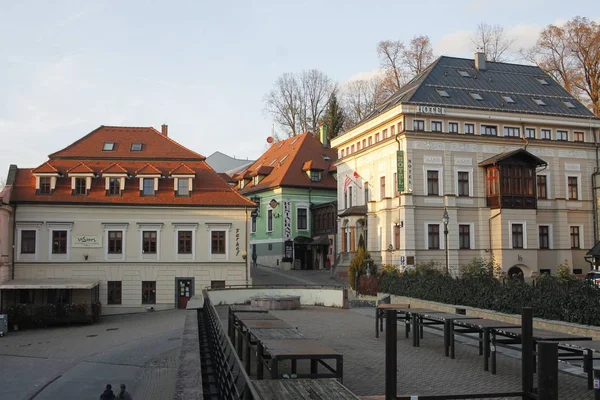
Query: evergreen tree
point(334, 117)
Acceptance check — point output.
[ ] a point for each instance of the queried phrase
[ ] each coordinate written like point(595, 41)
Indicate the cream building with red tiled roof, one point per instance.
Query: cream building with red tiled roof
point(132, 215)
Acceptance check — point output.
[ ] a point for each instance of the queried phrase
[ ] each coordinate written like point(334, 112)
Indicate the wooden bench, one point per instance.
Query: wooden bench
point(302, 389)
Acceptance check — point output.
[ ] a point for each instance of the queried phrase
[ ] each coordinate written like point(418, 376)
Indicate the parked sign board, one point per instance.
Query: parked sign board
point(86, 241)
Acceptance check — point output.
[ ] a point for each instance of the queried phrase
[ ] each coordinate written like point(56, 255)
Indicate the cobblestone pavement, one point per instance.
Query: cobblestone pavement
point(263, 275)
point(421, 371)
point(140, 350)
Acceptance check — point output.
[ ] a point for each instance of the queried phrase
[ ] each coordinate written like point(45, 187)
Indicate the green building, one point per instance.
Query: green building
point(286, 182)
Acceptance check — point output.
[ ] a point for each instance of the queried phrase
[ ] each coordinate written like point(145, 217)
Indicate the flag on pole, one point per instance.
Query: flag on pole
point(347, 183)
point(356, 175)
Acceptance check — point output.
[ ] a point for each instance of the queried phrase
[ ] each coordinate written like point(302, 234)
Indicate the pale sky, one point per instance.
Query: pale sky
point(67, 67)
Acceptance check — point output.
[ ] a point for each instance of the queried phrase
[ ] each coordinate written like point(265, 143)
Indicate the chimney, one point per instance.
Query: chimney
point(165, 130)
point(323, 135)
point(480, 61)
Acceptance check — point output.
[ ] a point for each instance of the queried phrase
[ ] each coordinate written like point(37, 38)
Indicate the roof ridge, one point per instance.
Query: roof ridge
point(177, 143)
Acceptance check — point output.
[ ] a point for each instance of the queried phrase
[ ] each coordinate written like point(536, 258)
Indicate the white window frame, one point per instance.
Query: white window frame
point(581, 237)
point(465, 128)
point(115, 227)
point(307, 208)
point(189, 185)
point(212, 227)
point(435, 122)
point(440, 171)
point(441, 230)
point(184, 226)
point(550, 236)
point(548, 176)
point(457, 126)
point(534, 132)
point(510, 234)
point(470, 172)
point(545, 129)
point(29, 226)
point(579, 185)
point(267, 220)
point(150, 227)
point(59, 226)
point(471, 234)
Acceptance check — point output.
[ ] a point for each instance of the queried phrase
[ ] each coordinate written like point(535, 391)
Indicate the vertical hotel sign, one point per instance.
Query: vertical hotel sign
point(287, 219)
point(400, 164)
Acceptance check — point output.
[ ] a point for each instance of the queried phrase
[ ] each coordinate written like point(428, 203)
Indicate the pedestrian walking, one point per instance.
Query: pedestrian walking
point(254, 257)
point(108, 393)
point(124, 394)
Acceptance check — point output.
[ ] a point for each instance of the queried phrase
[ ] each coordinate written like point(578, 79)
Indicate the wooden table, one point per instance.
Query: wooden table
point(483, 327)
point(586, 348)
point(239, 320)
point(514, 336)
point(302, 389)
point(271, 352)
point(445, 319)
point(380, 313)
point(233, 308)
point(247, 329)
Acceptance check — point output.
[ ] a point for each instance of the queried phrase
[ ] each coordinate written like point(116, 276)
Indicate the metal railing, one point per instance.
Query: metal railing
point(232, 380)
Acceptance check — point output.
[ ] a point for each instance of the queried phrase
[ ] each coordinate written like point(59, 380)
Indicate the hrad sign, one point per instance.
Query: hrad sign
point(287, 219)
point(400, 161)
point(87, 241)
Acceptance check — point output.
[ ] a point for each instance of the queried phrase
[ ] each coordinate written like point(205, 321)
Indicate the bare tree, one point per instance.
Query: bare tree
point(493, 41)
point(297, 102)
point(571, 54)
point(362, 97)
point(391, 57)
point(419, 54)
point(316, 91)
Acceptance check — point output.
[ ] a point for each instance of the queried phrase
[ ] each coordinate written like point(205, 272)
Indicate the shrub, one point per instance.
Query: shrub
point(44, 314)
point(564, 273)
point(96, 311)
point(16, 313)
point(389, 269)
point(358, 264)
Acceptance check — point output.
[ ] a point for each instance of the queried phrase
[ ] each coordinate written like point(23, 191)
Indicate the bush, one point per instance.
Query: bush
point(558, 298)
point(388, 269)
point(96, 311)
point(359, 263)
point(16, 314)
point(44, 314)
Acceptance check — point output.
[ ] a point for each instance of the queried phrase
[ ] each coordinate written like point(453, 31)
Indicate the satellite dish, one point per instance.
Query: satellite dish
point(270, 139)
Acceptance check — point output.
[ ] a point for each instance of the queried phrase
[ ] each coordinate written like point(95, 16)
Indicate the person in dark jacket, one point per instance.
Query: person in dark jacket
point(124, 394)
point(108, 393)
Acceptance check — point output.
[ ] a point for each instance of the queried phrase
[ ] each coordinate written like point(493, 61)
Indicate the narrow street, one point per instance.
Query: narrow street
point(263, 275)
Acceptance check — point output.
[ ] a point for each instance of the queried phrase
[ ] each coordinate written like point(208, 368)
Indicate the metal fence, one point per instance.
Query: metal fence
point(232, 380)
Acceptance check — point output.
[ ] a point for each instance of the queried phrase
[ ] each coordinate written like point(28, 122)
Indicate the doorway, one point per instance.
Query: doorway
point(184, 291)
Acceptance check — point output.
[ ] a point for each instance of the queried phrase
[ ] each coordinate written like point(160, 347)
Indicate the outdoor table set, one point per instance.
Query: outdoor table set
point(490, 334)
point(275, 340)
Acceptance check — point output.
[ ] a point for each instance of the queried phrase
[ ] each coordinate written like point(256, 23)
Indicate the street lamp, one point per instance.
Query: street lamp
point(446, 219)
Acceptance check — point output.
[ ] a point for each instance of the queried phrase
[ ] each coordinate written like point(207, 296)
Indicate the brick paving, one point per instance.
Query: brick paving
point(421, 371)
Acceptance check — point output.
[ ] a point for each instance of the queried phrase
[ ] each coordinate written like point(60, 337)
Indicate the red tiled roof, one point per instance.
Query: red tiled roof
point(227, 178)
point(114, 169)
point(155, 146)
point(182, 170)
point(161, 156)
point(287, 160)
point(262, 170)
point(81, 168)
point(332, 168)
point(45, 168)
point(148, 169)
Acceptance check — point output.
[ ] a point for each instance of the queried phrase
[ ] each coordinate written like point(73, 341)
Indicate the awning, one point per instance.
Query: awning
point(48, 284)
point(320, 241)
point(594, 251)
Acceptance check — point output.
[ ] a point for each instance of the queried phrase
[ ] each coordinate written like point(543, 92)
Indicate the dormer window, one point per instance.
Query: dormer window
point(315, 176)
point(136, 146)
point(108, 146)
point(183, 187)
point(45, 187)
point(80, 187)
point(148, 187)
point(114, 186)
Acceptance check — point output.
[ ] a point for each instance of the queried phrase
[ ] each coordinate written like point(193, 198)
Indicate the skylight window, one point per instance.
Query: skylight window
point(508, 99)
point(442, 93)
point(476, 96)
point(542, 81)
point(108, 146)
point(464, 74)
point(569, 104)
point(294, 141)
point(272, 162)
point(136, 146)
point(326, 157)
point(283, 159)
point(539, 102)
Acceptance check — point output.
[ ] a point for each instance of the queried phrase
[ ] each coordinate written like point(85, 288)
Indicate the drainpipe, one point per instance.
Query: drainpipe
point(490, 231)
point(595, 188)
point(247, 249)
point(14, 247)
